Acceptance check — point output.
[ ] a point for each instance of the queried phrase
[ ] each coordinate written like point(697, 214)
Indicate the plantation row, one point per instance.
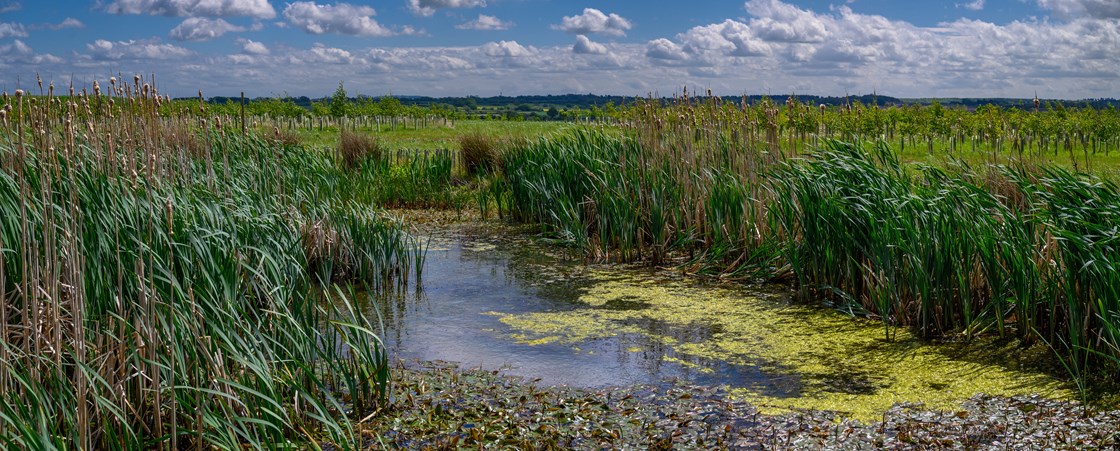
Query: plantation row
point(1019, 251)
point(795, 126)
point(158, 283)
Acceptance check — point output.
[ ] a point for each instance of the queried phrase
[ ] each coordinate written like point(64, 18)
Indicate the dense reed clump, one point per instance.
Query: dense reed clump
point(477, 153)
point(157, 281)
point(1021, 251)
point(357, 149)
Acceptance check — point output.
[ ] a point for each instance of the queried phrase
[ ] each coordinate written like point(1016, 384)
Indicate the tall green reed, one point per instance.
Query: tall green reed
point(1017, 251)
point(157, 282)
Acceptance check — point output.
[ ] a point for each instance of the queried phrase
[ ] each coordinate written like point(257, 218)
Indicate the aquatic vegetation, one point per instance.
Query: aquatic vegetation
point(807, 357)
point(156, 281)
point(1021, 251)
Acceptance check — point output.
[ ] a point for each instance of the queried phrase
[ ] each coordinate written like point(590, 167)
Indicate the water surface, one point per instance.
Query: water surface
point(497, 300)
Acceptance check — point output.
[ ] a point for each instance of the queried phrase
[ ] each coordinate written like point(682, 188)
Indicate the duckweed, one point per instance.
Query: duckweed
point(839, 363)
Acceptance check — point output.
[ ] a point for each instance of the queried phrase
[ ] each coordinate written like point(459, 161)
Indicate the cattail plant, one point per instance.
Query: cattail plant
point(153, 299)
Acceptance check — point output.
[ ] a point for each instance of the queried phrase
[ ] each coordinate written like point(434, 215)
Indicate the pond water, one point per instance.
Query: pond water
point(496, 300)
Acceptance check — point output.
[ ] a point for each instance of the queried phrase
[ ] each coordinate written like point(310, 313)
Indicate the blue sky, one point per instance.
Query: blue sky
point(967, 48)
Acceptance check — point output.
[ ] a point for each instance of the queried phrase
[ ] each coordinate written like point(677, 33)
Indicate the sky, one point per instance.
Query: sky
point(1065, 49)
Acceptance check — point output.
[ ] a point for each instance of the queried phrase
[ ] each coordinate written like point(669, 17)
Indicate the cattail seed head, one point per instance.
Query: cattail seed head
point(19, 93)
point(96, 88)
point(113, 81)
point(136, 78)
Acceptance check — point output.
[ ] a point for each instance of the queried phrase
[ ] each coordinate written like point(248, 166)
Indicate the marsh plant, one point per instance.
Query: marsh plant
point(157, 275)
point(1020, 250)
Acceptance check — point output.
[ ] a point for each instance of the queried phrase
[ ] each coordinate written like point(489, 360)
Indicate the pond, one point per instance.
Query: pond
point(494, 299)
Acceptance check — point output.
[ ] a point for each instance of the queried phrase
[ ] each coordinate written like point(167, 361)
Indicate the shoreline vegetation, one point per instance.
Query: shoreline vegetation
point(1026, 249)
point(157, 280)
point(174, 274)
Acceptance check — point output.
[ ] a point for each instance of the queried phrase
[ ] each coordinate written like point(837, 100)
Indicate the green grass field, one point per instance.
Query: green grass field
point(437, 137)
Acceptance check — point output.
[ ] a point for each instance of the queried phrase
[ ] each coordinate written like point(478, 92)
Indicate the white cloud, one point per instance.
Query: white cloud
point(1101, 9)
point(585, 46)
point(321, 54)
point(202, 29)
point(730, 37)
point(16, 49)
point(254, 48)
point(776, 21)
point(260, 9)
point(594, 21)
point(69, 22)
point(10, 6)
point(342, 18)
point(485, 22)
point(428, 7)
point(506, 49)
point(975, 5)
point(664, 49)
point(12, 30)
point(124, 50)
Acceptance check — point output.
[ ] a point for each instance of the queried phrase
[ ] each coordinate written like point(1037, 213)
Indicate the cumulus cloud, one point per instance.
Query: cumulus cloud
point(260, 9)
point(506, 49)
point(1100, 9)
point(202, 29)
point(585, 46)
point(102, 49)
point(730, 37)
point(781, 22)
point(594, 21)
point(321, 54)
point(342, 18)
point(254, 48)
point(12, 30)
point(664, 49)
point(428, 7)
point(485, 22)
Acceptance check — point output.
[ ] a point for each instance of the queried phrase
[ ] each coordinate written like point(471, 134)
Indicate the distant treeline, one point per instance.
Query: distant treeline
point(587, 101)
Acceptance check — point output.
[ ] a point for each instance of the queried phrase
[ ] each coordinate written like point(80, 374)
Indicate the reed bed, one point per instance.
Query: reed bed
point(1024, 250)
point(157, 279)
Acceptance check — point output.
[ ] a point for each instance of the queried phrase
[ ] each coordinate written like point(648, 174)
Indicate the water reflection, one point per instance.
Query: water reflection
point(468, 277)
point(496, 301)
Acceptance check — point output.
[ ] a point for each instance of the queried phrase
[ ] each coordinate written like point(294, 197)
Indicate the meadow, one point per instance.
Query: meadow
point(176, 275)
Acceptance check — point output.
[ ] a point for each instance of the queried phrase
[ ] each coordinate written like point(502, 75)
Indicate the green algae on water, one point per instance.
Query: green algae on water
point(839, 363)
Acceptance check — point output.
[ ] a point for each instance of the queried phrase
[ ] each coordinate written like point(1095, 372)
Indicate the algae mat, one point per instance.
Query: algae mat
point(775, 354)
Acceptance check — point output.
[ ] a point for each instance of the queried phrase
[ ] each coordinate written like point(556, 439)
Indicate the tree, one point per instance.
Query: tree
point(340, 104)
point(553, 113)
